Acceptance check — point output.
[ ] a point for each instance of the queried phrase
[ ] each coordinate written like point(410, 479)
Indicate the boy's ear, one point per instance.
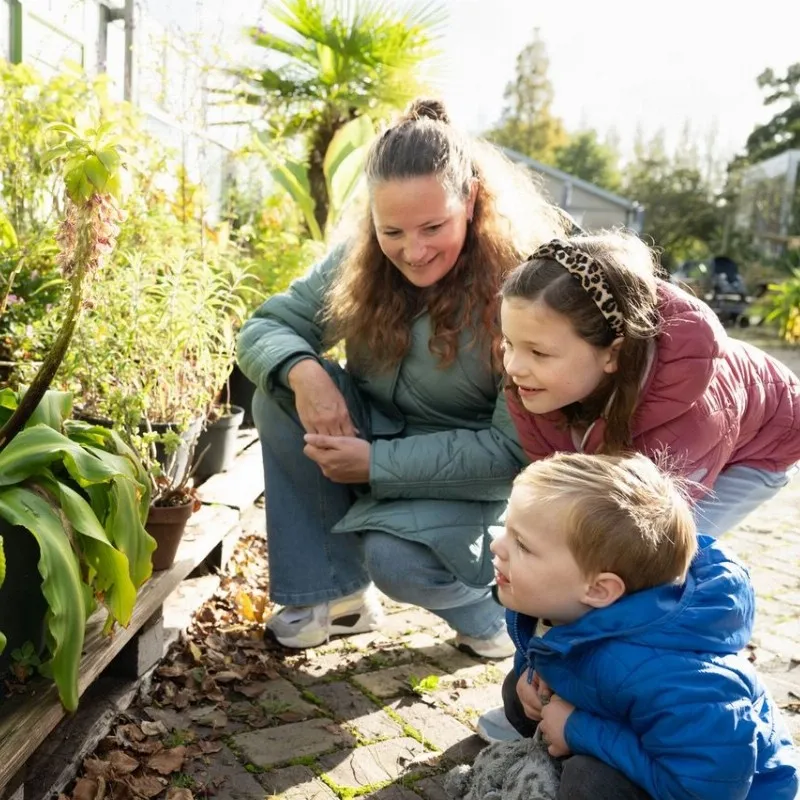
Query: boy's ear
point(604, 590)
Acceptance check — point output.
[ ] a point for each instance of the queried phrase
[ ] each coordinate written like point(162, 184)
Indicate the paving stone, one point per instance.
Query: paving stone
point(432, 788)
point(435, 726)
point(471, 701)
point(375, 763)
point(394, 793)
point(413, 620)
point(280, 697)
point(271, 746)
point(395, 680)
point(221, 775)
point(351, 706)
point(295, 783)
point(449, 658)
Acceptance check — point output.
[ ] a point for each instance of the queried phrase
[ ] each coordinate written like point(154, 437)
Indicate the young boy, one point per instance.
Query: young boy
point(639, 681)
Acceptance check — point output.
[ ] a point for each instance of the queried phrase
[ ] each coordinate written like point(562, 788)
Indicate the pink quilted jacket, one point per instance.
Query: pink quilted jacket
point(708, 401)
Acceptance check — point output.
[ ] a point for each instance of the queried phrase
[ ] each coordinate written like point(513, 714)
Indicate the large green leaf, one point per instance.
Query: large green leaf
point(61, 584)
point(111, 577)
point(36, 448)
point(293, 177)
point(125, 529)
point(351, 136)
point(52, 410)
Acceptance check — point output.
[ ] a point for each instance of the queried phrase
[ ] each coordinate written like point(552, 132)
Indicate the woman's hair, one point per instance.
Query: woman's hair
point(372, 306)
point(622, 514)
point(629, 269)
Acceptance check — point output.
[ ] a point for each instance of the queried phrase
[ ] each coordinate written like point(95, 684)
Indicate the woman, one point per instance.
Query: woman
point(392, 470)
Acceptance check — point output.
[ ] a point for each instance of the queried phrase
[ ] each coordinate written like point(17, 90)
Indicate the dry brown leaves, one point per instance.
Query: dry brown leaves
point(221, 659)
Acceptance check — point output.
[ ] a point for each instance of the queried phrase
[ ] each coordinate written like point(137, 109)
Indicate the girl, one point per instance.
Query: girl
point(602, 356)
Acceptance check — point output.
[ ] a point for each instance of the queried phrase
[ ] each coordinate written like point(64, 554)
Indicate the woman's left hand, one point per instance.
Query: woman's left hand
point(554, 718)
point(342, 459)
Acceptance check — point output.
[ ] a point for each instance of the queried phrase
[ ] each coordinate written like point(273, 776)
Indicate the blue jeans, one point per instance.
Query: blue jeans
point(737, 491)
point(308, 564)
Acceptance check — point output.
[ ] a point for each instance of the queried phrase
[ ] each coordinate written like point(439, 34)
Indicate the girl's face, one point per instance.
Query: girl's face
point(551, 365)
point(420, 226)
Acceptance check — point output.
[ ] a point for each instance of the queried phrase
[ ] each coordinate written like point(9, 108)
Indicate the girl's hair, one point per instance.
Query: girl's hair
point(372, 306)
point(628, 266)
point(622, 514)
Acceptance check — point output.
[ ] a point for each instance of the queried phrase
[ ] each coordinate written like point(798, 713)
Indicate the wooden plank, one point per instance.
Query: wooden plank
point(241, 485)
point(28, 719)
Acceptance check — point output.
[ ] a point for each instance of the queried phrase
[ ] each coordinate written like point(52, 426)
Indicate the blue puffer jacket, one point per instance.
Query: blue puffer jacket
point(661, 692)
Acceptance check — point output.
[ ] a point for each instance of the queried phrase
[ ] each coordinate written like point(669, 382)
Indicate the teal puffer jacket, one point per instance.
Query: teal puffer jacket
point(444, 450)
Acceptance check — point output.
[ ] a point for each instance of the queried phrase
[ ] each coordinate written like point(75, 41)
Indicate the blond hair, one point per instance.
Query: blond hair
point(622, 514)
point(629, 267)
point(372, 307)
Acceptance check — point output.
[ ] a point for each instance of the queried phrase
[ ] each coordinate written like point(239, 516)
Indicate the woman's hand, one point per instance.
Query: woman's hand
point(320, 405)
point(342, 459)
point(554, 719)
point(533, 696)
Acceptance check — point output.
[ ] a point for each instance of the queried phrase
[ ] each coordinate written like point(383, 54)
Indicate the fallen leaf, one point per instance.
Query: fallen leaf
point(252, 690)
point(181, 700)
point(130, 732)
point(290, 716)
point(170, 672)
point(197, 654)
point(147, 785)
point(226, 676)
point(147, 747)
point(96, 767)
point(175, 793)
point(168, 761)
point(87, 789)
point(209, 747)
point(157, 728)
point(121, 762)
point(210, 717)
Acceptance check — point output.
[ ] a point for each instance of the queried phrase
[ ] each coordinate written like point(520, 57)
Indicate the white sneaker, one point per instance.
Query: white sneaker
point(493, 726)
point(499, 646)
point(309, 626)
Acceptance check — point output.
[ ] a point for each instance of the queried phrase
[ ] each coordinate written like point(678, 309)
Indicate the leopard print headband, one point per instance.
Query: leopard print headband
point(590, 274)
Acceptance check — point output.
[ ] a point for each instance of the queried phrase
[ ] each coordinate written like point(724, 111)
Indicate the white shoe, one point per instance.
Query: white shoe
point(309, 626)
point(493, 726)
point(499, 646)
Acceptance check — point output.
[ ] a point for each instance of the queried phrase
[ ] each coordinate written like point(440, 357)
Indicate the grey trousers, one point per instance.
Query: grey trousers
point(582, 777)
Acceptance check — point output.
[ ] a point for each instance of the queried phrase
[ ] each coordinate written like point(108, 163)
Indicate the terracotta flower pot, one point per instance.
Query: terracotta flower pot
point(166, 525)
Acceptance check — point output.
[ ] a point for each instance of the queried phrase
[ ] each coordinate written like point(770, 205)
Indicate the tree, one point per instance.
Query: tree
point(681, 212)
point(527, 124)
point(333, 61)
point(584, 156)
point(782, 132)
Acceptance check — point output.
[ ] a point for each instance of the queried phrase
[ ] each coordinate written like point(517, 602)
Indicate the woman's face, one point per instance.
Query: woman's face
point(420, 226)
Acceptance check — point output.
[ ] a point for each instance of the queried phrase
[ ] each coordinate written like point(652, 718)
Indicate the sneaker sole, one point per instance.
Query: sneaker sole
point(338, 629)
point(465, 648)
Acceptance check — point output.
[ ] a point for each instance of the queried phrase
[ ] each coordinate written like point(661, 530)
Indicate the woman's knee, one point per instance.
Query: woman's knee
point(393, 564)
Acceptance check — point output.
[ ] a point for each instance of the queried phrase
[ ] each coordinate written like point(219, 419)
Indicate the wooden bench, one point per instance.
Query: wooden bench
point(26, 720)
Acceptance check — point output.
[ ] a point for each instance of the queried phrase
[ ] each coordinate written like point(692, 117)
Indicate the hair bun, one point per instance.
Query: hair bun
point(426, 108)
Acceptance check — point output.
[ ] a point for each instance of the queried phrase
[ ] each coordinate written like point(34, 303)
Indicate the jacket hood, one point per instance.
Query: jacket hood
point(711, 612)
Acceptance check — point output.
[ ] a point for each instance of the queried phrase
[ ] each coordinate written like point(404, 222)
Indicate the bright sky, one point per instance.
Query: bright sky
point(613, 63)
point(625, 63)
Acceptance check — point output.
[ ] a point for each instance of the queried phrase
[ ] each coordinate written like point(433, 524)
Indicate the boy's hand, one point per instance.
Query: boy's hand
point(533, 696)
point(554, 718)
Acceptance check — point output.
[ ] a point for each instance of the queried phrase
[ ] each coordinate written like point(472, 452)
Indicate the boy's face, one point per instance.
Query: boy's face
point(536, 572)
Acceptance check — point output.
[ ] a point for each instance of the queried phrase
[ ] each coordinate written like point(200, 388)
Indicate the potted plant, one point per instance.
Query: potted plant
point(173, 499)
point(78, 489)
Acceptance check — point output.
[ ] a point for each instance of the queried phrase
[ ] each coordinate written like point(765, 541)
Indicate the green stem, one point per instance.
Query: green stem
point(52, 361)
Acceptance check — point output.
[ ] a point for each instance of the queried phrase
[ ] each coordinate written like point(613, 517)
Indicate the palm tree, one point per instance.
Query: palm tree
point(333, 62)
